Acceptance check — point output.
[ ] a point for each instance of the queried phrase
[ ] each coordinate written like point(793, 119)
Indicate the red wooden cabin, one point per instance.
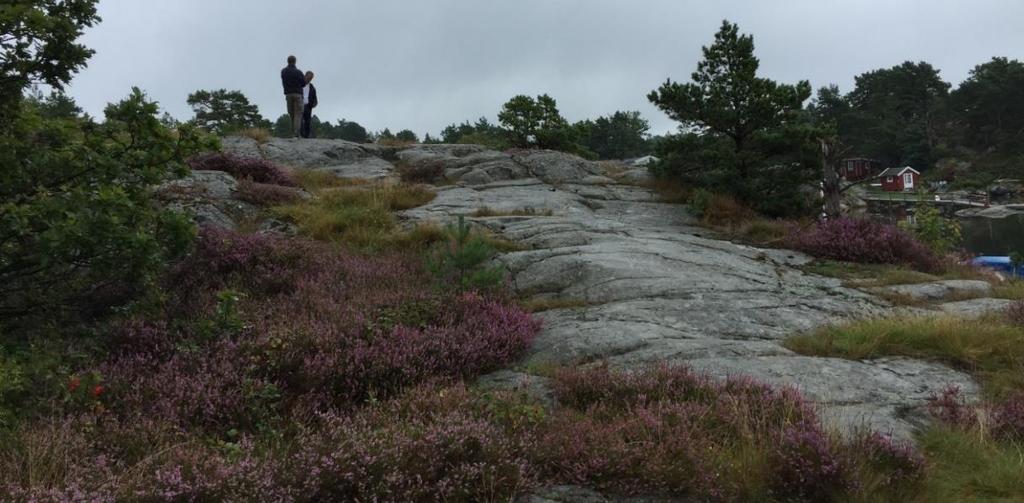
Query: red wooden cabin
point(900, 179)
point(859, 168)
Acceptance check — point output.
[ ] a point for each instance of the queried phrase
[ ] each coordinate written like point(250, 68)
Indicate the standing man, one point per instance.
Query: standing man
point(293, 82)
point(309, 103)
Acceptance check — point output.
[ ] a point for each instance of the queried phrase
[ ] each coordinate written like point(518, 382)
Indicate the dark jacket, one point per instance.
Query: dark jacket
point(292, 79)
point(312, 96)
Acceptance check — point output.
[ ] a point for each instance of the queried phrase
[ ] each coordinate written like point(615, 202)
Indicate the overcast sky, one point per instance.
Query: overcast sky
point(423, 64)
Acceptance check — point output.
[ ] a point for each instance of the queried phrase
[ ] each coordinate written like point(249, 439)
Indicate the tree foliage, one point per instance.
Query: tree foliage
point(740, 133)
point(79, 230)
point(619, 136)
point(407, 135)
point(989, 106)
point(38, 43)
point(482, 132)
point(896, 114)
point(222, 111)
point(531, 122)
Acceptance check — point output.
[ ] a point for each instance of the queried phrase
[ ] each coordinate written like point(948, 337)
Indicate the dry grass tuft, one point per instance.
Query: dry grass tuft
point(259, 134)
point(360, 216)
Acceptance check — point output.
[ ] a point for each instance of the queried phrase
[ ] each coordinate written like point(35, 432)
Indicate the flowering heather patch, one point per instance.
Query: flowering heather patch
point(864, 241)
point(433, 444)
point(247, 168)
point(807, 466)
point(307, 328)
point(1004, 418)
point(670, 430)
point(265, 194)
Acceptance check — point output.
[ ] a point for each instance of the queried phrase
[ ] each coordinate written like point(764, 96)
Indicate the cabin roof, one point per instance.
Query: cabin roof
point(898, 171)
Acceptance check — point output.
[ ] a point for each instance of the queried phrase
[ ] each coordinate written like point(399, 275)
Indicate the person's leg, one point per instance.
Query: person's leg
point(295, 111)
point(307, 117)
point(290, 109)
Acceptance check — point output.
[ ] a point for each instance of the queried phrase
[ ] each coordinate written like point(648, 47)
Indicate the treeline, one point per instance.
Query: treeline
point(755, 139)
point(907, 115)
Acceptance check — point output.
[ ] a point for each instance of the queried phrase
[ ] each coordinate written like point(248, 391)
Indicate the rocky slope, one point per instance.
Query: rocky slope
point(651, 286)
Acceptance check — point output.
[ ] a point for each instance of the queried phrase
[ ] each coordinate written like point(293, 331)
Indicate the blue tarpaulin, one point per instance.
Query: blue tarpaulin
point(1001, 264)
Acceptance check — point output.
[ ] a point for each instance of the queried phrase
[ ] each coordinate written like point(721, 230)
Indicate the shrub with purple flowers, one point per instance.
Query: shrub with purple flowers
point(260, 327)
point(865, 241)
point(670, 430)
point(243, 168)
point(807, 466)
point(266, 194)
point(1004, 418)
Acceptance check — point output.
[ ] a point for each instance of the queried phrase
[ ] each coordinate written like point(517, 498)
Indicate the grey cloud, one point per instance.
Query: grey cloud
point(425, 64)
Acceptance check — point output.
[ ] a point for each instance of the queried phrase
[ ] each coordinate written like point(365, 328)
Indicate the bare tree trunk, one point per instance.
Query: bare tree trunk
point(830, 183)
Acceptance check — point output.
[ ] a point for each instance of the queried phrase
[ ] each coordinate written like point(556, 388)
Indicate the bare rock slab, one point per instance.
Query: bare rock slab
point(940, 290)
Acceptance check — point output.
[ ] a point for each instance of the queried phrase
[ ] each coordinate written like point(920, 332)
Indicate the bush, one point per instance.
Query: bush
point(265, 194)
point(79, 232)
point(1002, 419)
point(325, 328)
point(864, 241)
point(666, 429)
point(462, 259)
point(700, 201)
point(426, 172)
point(433, 444)
point(938, 233)
point(247, 168)
point(1015, 313)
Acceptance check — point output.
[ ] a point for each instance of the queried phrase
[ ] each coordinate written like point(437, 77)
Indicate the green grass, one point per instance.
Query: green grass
point(875, 275)
point(314, 180)
point(1013, 290)
point(361, 215)
point(989, 348)
point(967, 466)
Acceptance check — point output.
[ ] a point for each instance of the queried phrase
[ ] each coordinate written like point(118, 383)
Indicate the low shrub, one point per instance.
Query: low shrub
point(699, 201)
point(940, 234)
point(865, 241)
point(1015, 313)
point(434, 444)
point(668, 430)
point(249, 168)
point(260, 324)
point(462, 259)
point(726, 211)
point(424, 172)
point(265, 194)
point(1002, 419)
point(1013, 290)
